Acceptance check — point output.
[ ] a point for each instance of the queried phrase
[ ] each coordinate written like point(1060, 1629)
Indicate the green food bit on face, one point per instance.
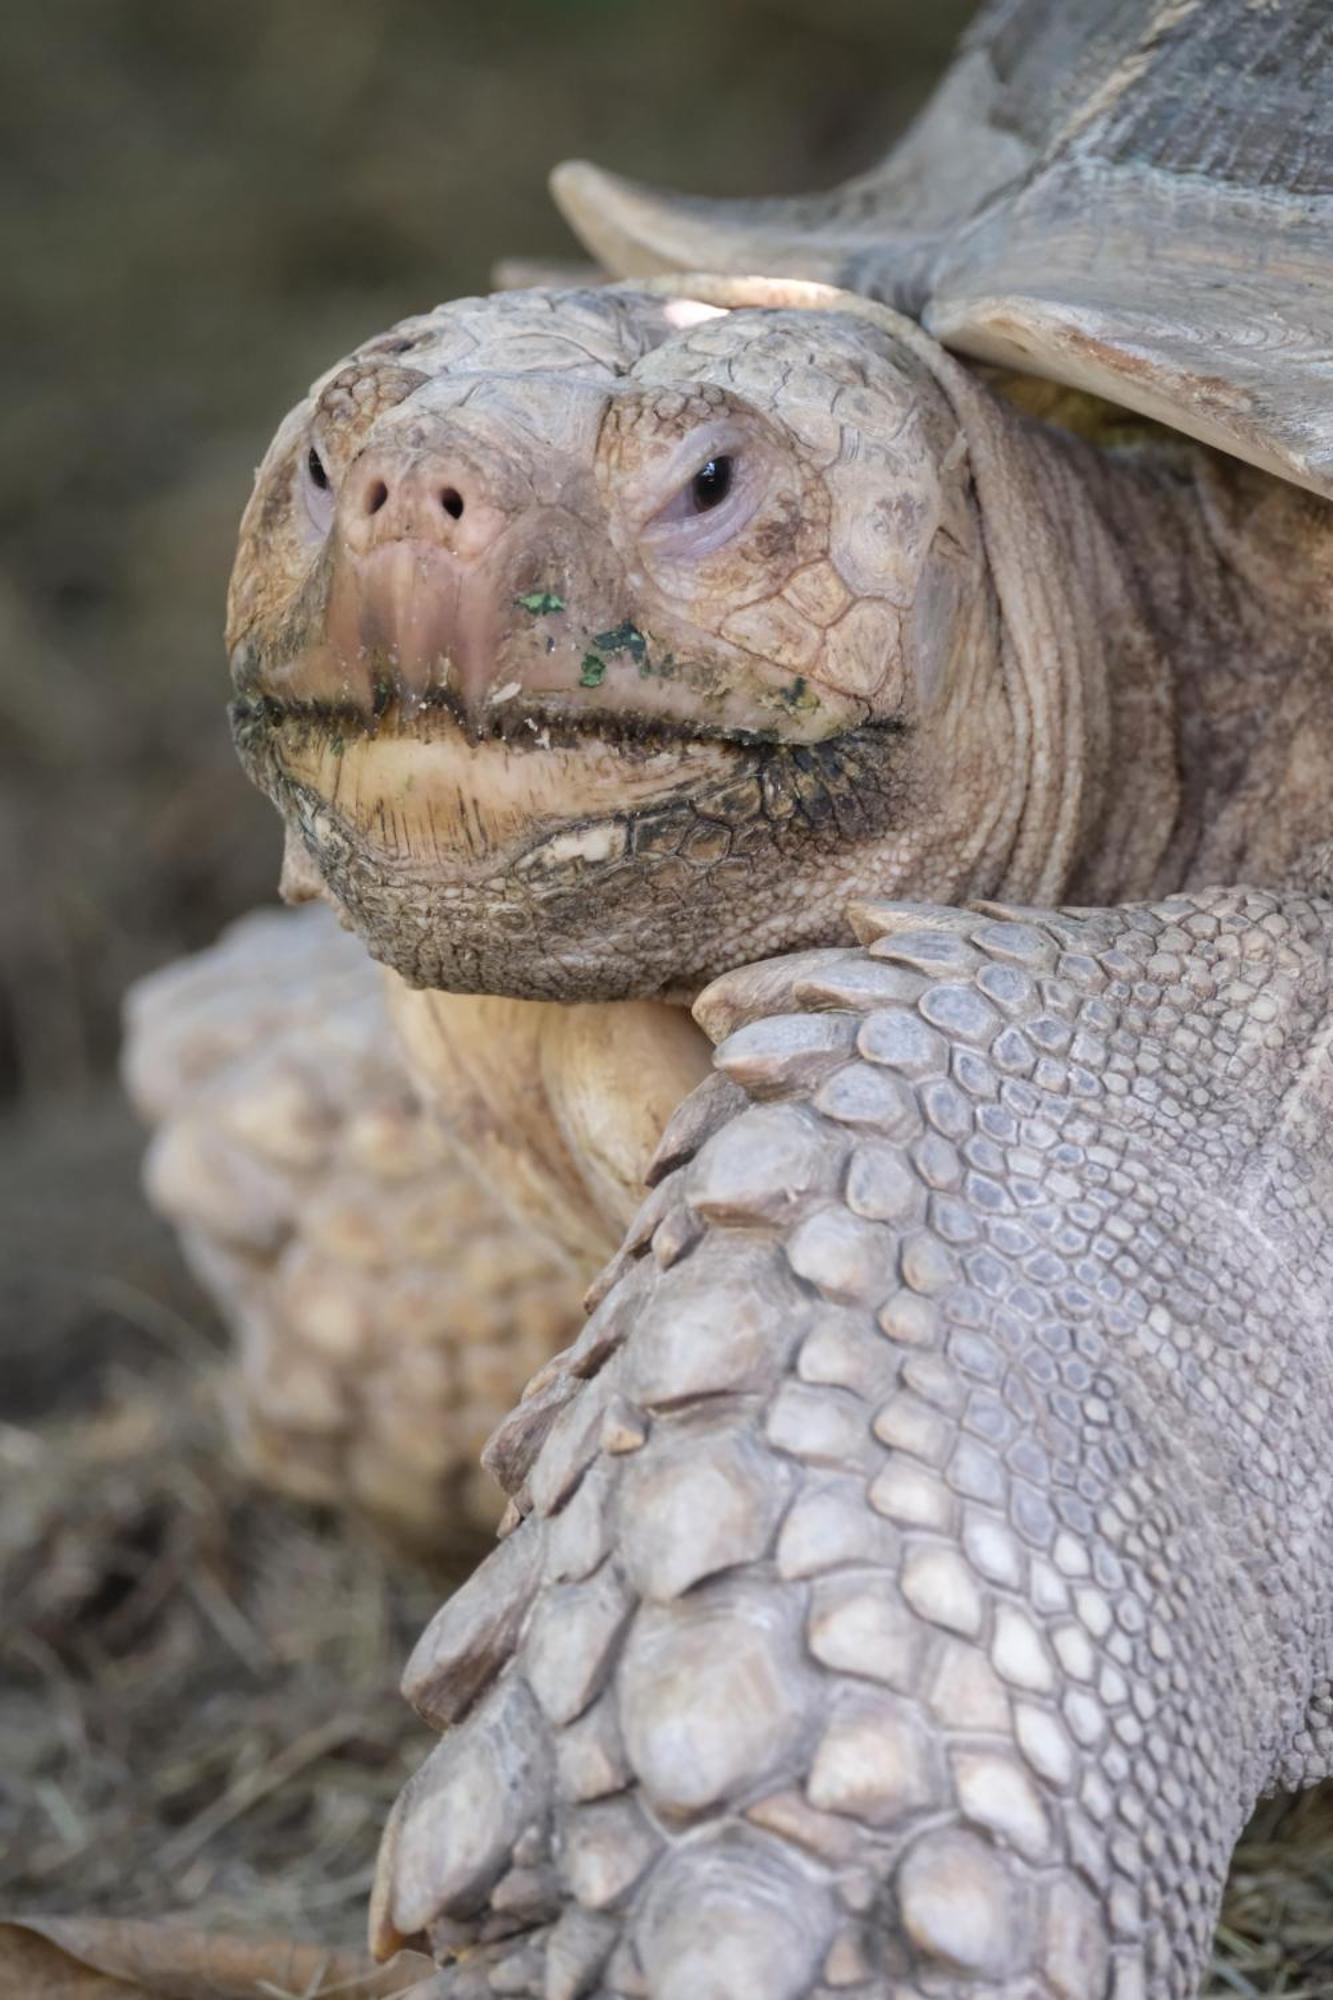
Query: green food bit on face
point(798, 695)
point(626, 638)
point(540, 602)
point(593, 671)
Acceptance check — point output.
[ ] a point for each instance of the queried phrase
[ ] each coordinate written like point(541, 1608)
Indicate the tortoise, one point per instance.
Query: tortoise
point(916, 1567)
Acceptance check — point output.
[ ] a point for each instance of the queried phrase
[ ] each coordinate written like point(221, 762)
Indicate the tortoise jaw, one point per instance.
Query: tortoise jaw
point(417, 789)
point(589, 868)
point(476, 866)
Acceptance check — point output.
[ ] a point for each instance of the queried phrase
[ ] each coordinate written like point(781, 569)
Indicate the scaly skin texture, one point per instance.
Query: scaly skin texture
point(921, 1560)
point(386, 1308)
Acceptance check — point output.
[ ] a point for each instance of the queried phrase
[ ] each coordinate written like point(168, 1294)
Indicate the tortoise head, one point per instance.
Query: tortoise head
point(593, 642)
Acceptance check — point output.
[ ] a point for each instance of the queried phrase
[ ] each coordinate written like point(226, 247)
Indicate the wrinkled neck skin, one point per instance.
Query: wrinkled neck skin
point(1088, 690)
point(1163, 612)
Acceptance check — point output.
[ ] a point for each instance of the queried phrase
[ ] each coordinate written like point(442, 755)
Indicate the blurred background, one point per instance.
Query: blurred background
point(201, 206)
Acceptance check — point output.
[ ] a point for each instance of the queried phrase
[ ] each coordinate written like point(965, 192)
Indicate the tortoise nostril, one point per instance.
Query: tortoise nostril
point(410, 499)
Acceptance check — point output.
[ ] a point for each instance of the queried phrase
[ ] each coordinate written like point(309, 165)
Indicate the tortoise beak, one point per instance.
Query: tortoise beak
point(411, 621)
point(413, 595)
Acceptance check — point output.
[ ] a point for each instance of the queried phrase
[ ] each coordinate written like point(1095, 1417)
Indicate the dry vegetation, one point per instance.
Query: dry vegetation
point(201, 1710)
point(202, 205)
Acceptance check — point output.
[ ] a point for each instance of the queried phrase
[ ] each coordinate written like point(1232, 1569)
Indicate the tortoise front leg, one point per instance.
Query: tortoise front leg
point(923, 1555)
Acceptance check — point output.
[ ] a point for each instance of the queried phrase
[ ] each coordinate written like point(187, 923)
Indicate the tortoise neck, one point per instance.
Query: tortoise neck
point(1084, 658)
point(1211, 587)
point(1165, 613)
point(558, 1106)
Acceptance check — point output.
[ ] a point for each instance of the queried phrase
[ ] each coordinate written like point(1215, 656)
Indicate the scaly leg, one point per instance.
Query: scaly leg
point(920, 1561)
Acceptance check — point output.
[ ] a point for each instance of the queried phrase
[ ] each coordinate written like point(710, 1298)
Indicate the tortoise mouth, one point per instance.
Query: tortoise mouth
point(578, 765)
point(419, 792)
point(521, 723)
point(580, 858)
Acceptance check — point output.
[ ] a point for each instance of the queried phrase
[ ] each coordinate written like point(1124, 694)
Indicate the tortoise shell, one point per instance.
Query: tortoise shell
point(1130, 197)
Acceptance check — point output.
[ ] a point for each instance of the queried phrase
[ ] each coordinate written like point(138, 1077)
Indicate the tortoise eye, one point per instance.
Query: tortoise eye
point(712, 504)
point(711, 484)
point(315, 467)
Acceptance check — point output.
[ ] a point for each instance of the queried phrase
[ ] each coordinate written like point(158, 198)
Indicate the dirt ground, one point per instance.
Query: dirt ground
point(201, 206)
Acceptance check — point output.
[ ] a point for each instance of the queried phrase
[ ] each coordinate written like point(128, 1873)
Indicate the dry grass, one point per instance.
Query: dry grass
point(1276, 1934)
point(199, 1704)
